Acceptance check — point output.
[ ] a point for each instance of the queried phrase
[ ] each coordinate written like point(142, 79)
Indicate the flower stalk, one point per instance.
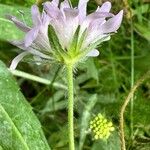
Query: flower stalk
point(70, 106)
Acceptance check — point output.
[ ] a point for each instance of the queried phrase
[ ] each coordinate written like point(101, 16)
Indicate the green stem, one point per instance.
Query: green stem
point(36, 78)
point(70, 106)
point(132, 82)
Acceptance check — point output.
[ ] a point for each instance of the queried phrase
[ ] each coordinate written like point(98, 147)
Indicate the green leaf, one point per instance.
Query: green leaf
point(19, 127)
point(143, 30)
point(8, 31)
point(85, 119)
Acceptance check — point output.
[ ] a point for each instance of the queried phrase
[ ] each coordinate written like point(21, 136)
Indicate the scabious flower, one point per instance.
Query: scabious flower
point(72, 34)
point(101, 127)
point(89, 30)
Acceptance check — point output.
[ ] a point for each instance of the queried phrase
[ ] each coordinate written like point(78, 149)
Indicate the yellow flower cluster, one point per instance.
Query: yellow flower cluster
point(100, 127)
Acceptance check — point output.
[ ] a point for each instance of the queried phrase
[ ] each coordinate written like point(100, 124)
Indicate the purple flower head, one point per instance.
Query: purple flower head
point(64, 33)
point(94, 28)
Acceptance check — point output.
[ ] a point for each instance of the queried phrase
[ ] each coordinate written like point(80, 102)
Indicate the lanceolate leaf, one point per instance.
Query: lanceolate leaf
point(19, 127)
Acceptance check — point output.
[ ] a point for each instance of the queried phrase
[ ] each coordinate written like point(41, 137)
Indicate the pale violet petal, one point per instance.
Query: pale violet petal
point(71, 13)
point(93, 53)
point(31, 49)
point(66, 27)
point(19, 44)
point(36, 17)
point(31, 36)
point(95, 17)
point(55, 2)
point(45, 18)
point(112, 24)
point(45, 22)
point(99, 15)
point(52, 10)
point(96, 36)
point(82, 6)
point(64, 4)
point(93, 32)
point(18, 23)
point(70, 25)
point(105, 7)
point(17, 59)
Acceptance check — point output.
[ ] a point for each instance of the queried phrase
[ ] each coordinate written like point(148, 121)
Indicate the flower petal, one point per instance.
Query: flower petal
point(64, 4)
point(17, 59)
point(71, 13)
point(112, 24)
point(71, 23)
point(31, 36)
point(95, 17)
point(36, 17)
point(55, 2)
point(52, 10)
point(98, 15)
point(82, 6)
point(33, 50)
point(45, 22)
point(105, 7)
point(93, 53)
point(18, 23)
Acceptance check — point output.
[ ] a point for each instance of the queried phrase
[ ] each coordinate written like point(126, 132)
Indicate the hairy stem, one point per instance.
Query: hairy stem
point(70, 106)
point(127, 100)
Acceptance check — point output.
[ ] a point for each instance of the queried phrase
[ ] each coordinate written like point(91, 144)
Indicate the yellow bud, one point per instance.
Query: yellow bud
point(100, 116)
point(105, 120)
point(98, 132)
point(96, 137)
point(112, 129)
point(91, 126)
point(96, 118)
point(110, 124)
point(91, 122)
point(94, 125)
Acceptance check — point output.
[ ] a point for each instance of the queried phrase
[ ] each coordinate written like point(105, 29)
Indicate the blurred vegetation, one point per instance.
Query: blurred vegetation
point(105, 80)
